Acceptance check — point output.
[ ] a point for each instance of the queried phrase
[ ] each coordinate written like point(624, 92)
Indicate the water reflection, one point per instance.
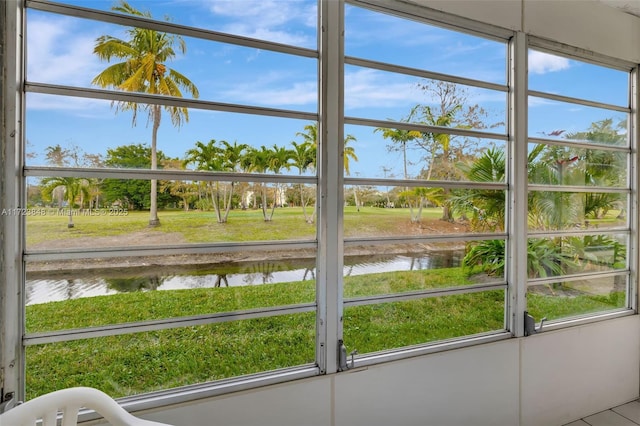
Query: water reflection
point(41, 288)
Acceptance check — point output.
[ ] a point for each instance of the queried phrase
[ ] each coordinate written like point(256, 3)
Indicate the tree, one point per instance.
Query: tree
point(72, 188)
point(400, 139)
point(450, 108)
point(57, 156)
point(187, 191)
point(303, 158)
point(135, 193)
point(310, 136)
point(214, 156)
point(143, 69)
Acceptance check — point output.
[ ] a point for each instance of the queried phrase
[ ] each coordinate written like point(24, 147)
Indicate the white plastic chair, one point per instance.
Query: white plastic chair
point(69, 402)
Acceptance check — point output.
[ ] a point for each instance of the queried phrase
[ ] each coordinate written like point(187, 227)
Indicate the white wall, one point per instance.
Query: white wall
point(585, 24)
point(548, 379)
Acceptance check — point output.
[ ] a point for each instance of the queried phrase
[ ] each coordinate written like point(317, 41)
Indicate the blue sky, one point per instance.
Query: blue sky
point(60, 52)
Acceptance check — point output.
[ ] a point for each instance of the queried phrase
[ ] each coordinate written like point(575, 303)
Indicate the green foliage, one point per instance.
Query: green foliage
point(133, 193)
point(487, 255)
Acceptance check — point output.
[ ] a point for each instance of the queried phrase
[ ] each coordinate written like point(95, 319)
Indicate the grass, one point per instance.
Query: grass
point(198, 226)
point(147, 361)
point(142, 362)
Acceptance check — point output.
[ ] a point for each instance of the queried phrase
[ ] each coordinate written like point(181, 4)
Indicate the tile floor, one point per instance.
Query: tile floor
point(624, 415)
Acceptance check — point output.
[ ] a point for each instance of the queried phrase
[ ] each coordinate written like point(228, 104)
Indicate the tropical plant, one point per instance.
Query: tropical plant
point(217, 156)
point(73, 188)
point(142, 68)
point(303, 158)
point(400, 138)
point(187, 191)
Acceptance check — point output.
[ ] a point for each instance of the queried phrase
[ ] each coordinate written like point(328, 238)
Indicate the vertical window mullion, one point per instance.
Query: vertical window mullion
point(634, 183)
point(330, 174)
point(517, 179)
point(11, 270)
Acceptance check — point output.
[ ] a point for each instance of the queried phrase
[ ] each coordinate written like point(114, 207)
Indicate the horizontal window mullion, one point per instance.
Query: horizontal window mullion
point(579, 54)
point(403, 125)
point(576, 277)
point(163, 26)
point(430, 348)
point(191, 175)
point(578, 189)
point(414, 239)
point(381, 66)
point(139, 97)
point(587, 319)
point(162, 250)
point(438, 18)
point(189, 393)
point(423, 294)
point(425, 183)
point(578, 233)
point(579, 101)
point(31, 339)
point(581, 144)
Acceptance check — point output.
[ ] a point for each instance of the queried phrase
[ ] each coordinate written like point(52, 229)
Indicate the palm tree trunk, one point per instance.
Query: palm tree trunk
point(226, 213)
point(153, 217)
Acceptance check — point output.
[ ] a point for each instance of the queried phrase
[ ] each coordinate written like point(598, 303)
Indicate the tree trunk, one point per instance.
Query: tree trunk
point(153, 211)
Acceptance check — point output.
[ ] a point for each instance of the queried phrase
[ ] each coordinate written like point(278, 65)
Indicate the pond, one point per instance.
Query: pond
point(40, 289)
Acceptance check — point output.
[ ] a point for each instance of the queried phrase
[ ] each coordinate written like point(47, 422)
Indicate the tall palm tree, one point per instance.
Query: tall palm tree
point(213, 157)
point(303, 157)
point(310, 135)
point(259, 161)
point(280, 159)
point(402, 138)
point(141, 67)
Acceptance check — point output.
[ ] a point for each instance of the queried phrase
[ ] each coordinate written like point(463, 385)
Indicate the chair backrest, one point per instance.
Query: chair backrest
point(69, 402)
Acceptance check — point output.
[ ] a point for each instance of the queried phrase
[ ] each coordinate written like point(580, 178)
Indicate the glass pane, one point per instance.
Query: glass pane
point(206, 70)
point(563, 120)
point(440, 50)
point(573, 298)
point(291, 22)
point(555, 210)
point(557, 74)
point(373, 328)
point(555, 257)
point(408, 154)
point(421, 211)
point(391, 96)
point(115, 213)
point(386, 269)
point(78, 132)
point(144, 362)
point(564, 165)
point(94, 292)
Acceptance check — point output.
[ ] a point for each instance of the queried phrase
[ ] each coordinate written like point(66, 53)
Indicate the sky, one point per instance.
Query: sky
point(60, 51)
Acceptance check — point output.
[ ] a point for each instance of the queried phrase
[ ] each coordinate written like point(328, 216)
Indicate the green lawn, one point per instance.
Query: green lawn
point(142, 362)
point(198, 226)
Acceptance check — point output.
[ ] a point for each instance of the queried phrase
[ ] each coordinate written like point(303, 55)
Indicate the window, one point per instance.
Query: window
point(425, 182)
point(579, 187)
point(257, 198)
point(171, 237)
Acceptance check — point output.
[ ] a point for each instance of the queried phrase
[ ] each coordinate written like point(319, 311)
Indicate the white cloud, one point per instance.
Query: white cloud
point(81, 107)
point(59, 53)
point(368, 88)
point(542, 63)
point(268, 19)
point(274, 89)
